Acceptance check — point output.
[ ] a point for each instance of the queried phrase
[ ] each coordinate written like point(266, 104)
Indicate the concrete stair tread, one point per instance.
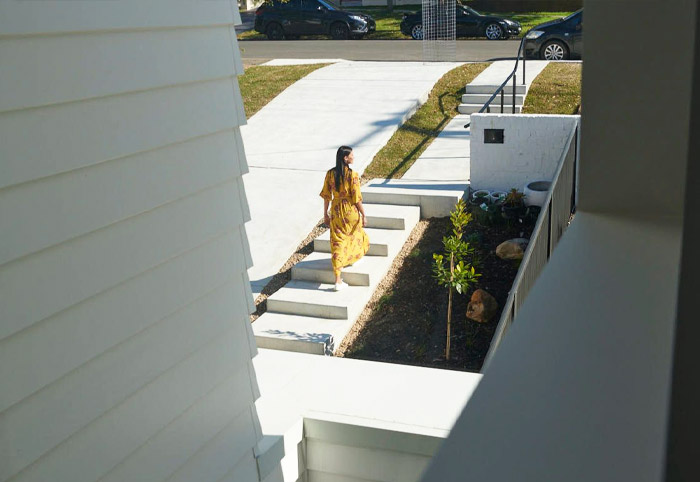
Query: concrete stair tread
point(317, 267)
point(495, 108)
point(308, 298)
point(385, 216)
point(380, 241)
point(491, 88)
point(306, 334)
point(483, 98)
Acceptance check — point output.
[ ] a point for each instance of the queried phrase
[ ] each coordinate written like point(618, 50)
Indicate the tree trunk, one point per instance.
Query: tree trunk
point(449, 307)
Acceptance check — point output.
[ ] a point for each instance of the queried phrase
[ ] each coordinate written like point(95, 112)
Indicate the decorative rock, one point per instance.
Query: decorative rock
point(482, 307)
point(512, 249)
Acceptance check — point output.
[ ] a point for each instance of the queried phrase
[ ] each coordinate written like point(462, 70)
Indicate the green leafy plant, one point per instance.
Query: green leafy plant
point(458, 275)
point(514, 198)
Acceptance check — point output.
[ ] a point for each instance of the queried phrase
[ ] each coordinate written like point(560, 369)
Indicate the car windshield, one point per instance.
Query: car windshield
point(572, 15)
point(329, 5)
point(470, 10)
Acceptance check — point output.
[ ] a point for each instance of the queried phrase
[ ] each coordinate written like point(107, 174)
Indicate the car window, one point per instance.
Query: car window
point(290, 5)
point(309, 5)
point(329, 5)
point(570, 16)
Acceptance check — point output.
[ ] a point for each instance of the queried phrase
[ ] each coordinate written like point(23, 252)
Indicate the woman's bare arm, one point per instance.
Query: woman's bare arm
point(326, 217)
point(361, 209)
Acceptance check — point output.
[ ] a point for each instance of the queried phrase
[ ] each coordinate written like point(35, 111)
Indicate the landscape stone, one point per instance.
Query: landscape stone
point(482, 307)
point(512, 249)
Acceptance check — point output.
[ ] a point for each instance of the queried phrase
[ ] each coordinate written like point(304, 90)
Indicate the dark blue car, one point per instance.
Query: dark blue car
point(557, 40)
point(468, 23)
point(289, 20)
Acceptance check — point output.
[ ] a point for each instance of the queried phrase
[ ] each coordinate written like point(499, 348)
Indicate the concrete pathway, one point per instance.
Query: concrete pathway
point(292, 141)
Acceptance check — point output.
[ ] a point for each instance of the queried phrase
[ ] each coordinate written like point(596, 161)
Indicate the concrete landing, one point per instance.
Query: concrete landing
point(355, 393)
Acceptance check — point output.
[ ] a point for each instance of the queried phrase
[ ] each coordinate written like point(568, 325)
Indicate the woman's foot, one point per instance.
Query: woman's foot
point(340, 286)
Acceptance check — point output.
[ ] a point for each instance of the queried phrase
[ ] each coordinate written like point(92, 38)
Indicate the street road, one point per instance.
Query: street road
point(405, 50)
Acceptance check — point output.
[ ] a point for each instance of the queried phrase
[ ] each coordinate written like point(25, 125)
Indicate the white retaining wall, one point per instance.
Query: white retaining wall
point(125, 343)
point(532, 147)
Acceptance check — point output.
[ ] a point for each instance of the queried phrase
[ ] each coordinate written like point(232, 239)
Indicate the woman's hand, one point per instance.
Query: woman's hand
point(364, 221)
point(326, 219)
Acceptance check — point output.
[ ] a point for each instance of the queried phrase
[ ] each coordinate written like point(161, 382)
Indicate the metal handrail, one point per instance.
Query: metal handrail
point(487, 105)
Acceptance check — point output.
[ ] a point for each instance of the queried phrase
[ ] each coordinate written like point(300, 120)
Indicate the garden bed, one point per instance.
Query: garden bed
point(405, 321)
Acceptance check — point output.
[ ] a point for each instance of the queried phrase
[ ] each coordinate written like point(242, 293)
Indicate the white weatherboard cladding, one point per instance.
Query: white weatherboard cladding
point(125, 344)
point(532, 147)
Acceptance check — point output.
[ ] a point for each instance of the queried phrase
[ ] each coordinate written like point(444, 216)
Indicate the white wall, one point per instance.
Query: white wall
point(533, 145)
point(125, 347)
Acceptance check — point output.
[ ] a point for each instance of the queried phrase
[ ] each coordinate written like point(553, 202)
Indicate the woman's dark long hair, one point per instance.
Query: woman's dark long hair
point(340, 165)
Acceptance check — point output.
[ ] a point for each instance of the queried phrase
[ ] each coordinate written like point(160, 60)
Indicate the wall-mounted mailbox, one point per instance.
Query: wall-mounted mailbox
point(493, 136)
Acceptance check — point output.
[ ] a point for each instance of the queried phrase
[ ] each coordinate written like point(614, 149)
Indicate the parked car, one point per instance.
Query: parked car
point(310, 17)
point(557, 40)
point(468, 23)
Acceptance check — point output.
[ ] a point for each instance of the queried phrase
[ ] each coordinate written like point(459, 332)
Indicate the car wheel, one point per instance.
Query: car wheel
point(340, 31)
point(274, 31)
point(417, 31)
point(554, 50)
point(494, 31)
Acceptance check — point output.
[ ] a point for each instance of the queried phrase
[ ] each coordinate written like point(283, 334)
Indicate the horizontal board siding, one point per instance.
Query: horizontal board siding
point(364, 463)
point(68, 205)
point(38, 286)
point(60, 409)
point(21, 17)
point(227, 408)
point(99, 447)
point(245, 469)
point(315, 476)
point(82, 66)
point(29, 360)
point(221, 454)
point(64, 137)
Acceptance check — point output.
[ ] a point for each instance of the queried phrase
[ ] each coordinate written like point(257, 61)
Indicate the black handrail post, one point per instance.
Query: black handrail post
point(523, 68)
point(502, 101)
point(515, 76)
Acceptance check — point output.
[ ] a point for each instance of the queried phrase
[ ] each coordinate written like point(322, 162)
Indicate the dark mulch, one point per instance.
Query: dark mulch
point(407, 325)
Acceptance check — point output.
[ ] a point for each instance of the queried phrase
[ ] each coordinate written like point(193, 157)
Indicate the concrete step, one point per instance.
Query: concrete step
point(490, 89)
point(483, 98)
point(384, 216)
point(495, 109)
point(317, 267)
point(302, 334)
point(307, 298)
point(435, 198)
point(379, 240)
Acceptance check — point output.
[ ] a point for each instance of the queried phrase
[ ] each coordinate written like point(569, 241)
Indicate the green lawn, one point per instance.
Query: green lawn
point(388, 23)
point(260, 84)
point(557, 90)
point(416, 134)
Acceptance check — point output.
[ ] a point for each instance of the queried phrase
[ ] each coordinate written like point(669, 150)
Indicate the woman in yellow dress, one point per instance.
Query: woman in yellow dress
point(341, 190)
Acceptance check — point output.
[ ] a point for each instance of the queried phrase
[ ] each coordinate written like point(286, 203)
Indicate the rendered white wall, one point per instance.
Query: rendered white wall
point(533, 145)
point(125, 346)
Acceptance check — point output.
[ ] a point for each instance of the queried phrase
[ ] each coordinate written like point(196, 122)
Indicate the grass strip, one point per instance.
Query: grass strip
point(388, 23)
point(260, 84)
point(557, 90)
point(416, 134)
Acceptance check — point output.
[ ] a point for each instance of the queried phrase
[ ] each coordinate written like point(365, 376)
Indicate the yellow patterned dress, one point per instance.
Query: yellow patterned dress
point(349, 242)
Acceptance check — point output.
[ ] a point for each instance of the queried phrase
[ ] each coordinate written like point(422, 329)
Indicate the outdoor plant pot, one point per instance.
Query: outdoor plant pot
point(497, 197)
point(536, 193)
point(480, 197)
